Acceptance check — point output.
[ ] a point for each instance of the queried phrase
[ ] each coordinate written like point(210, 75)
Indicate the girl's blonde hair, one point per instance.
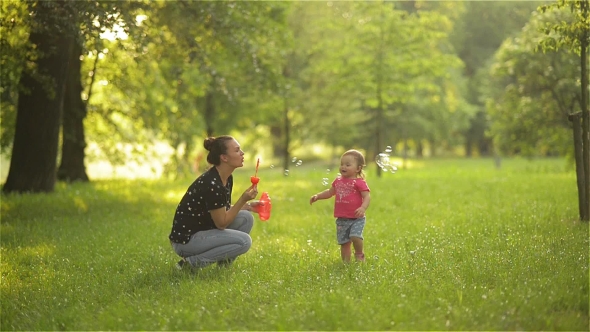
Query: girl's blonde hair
point(360, 160)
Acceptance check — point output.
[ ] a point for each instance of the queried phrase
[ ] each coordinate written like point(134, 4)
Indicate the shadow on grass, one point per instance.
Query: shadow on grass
point(78, 210)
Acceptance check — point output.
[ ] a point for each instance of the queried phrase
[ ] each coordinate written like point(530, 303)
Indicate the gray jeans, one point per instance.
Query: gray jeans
point(216, 245)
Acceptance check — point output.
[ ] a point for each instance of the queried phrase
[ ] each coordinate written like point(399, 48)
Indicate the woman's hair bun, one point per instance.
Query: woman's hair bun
point(208, 143)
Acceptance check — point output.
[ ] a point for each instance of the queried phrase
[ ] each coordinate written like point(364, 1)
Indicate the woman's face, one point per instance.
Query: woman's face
point(234, 156)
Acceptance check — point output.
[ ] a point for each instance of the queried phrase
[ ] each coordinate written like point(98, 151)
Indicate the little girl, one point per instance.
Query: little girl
point(352, 199)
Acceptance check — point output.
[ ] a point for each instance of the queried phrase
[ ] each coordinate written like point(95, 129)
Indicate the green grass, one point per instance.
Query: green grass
point(450, 245)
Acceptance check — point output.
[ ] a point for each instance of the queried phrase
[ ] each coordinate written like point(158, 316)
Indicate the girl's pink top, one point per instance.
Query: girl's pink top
point(348, 196)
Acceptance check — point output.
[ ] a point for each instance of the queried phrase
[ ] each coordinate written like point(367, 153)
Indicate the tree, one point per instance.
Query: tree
point(15, 46)
point(72, 166)
point(478, 33)
point(530, 94)
point(375, 65)
point(93, 18)
point(192, 72)
point(574, 35)
point(35, 147)
point(56, 35)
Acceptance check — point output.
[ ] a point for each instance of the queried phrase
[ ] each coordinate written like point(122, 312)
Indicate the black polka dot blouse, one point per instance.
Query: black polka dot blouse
point(192, 215)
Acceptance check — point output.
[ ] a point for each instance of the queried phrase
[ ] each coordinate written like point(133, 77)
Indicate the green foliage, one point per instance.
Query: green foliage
point(365, 66)
point(439, 114)
point(14, 33)
point(532, 93)
point(480, 30)
point(568, 31)
point(187, 71)
point(451, 245)
point(83, 20)
point(337, 73)
point(496, 20)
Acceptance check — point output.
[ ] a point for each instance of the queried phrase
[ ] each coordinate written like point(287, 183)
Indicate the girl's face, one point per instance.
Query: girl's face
point(349, 167)
point(234, 156)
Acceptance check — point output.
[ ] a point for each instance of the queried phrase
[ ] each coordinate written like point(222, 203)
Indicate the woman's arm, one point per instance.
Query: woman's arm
point(222, 217)
point(251, 206)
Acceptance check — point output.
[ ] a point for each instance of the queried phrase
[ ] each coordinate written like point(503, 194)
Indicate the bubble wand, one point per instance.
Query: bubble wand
point(254, 179)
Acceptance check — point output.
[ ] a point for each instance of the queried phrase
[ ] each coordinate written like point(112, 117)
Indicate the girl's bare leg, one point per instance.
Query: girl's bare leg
point(358, 248)
point(345, 252)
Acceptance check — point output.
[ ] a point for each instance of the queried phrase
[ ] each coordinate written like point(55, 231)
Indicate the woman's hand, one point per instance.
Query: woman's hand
point(253, 206)
point(222, 217)
point(250, 193)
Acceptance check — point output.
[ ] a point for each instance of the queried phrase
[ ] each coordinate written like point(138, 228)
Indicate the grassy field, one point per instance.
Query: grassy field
point(450, 245)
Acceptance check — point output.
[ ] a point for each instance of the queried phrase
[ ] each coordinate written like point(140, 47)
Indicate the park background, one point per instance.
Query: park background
point(470, 107)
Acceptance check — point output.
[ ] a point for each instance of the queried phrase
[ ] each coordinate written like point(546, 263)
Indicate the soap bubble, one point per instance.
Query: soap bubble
point(325, 181)
point(388, 149)
point(286, 172)
point(383, 161)
point(272, 166)
point(294, 159)
point(299, 162)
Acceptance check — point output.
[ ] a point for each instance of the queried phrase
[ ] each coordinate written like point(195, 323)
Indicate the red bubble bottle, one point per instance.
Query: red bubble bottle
point(264, 207)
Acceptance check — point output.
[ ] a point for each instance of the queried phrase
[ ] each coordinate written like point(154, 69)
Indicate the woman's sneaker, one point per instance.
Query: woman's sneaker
point(226, 262)
point(181, 263)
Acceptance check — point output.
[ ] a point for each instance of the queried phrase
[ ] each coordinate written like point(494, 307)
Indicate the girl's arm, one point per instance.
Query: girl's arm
point(322, 195)
point(366, 195)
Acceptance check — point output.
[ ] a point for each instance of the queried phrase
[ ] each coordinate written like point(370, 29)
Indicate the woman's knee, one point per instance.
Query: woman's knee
point(246, 243)
point(244, 221)
point(246, 215)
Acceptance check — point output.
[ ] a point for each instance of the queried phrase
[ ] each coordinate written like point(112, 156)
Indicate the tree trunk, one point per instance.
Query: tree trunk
point(72, 166)
point(468, 146)
point(379, 93)
point(419, 149)
point(484, 147)
point(496, 155)
point(287, 123)
point(585, 113)
point(432, 143)
point(209, 112)
point(580, 171)
point(34, 152)
point(287, 140)
point(378, 137)
point(405, 151)
point(277, 147)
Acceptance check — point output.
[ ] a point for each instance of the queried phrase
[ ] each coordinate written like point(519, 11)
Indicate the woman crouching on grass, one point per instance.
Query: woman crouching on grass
point(207, 228)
